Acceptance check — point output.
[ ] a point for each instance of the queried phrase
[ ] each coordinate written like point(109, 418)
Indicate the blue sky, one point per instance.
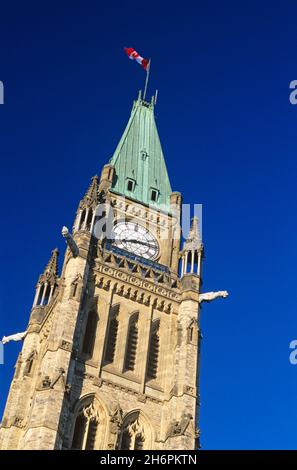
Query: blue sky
point(228, 133)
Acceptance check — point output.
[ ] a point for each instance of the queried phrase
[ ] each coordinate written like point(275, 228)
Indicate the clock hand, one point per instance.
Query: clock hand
point(127, 240)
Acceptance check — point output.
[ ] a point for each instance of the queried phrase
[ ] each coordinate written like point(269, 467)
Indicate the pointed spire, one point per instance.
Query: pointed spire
point(50, 272)
point(140, 169)
point(92, 192)
point(193, 241)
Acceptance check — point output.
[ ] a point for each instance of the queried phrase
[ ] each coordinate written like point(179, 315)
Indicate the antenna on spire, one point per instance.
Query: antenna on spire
point(156, 96)
point(147, 78)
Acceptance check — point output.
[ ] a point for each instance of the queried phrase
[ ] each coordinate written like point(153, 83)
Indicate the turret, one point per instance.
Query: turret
point(47, 281)
point(192, 252)
point(86, 210)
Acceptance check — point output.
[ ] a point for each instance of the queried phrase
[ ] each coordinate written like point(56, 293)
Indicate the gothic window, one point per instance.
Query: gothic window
point(85, 429)
point(112, 334)
point(135, 434)
point(90, 333)
point(153, 358)
point(132, 340)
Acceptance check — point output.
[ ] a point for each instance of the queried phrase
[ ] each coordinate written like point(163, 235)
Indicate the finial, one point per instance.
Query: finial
point(51, 268)
point(193, 241)
point(92, 191)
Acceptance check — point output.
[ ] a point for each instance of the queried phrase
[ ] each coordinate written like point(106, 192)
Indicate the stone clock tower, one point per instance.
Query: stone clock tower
point(110, 358)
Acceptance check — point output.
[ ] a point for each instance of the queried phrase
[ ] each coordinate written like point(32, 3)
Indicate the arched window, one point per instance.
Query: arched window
point(153, 358)
point(85, 429)
point(112, 334)
point(136, 433)
point(132, 340)
point(90, 333)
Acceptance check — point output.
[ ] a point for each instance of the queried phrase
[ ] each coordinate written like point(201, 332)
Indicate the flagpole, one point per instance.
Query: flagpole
point(147, 77)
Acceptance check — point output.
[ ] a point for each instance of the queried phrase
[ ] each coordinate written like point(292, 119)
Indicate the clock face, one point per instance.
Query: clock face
point(136, 239)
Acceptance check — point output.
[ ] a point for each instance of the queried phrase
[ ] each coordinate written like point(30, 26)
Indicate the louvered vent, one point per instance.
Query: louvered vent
point(112, 334)
point(132, 341)
point(153, 360)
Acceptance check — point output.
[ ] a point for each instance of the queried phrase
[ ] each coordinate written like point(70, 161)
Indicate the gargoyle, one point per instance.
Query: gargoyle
point(15, 337)
point(209, 296)
point(70, 242)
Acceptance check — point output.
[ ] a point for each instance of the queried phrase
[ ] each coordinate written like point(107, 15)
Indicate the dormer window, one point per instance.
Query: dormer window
point(130, 184)
point(154, 195)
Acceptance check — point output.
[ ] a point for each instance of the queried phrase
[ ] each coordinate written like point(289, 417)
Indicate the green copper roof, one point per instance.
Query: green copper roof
point(139, 159)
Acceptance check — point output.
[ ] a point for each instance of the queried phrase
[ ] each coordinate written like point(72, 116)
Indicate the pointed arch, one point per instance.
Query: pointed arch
point(136, 432)
point(89, 424)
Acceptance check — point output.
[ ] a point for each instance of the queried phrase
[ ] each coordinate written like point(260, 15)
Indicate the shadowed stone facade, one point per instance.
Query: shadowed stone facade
point(111, 355)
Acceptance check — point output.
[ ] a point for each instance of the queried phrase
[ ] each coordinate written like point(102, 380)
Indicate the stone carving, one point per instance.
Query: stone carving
point(66, 345)
point(46, 382)
point(189, 390)
point(178, 428)
point(209, 296)
point(18, 422)
point(142, 283)
point(91, 413)
point(70, 242)
point(15, 337)
point(116, 419)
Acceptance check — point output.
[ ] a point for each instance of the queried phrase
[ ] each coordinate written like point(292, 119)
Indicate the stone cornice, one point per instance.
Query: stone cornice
point(138, 282)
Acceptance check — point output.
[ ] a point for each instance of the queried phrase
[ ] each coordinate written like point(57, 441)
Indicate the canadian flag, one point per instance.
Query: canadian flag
point(133, 55)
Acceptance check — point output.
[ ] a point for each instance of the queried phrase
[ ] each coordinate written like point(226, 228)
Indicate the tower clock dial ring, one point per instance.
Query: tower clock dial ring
point(136, 239)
